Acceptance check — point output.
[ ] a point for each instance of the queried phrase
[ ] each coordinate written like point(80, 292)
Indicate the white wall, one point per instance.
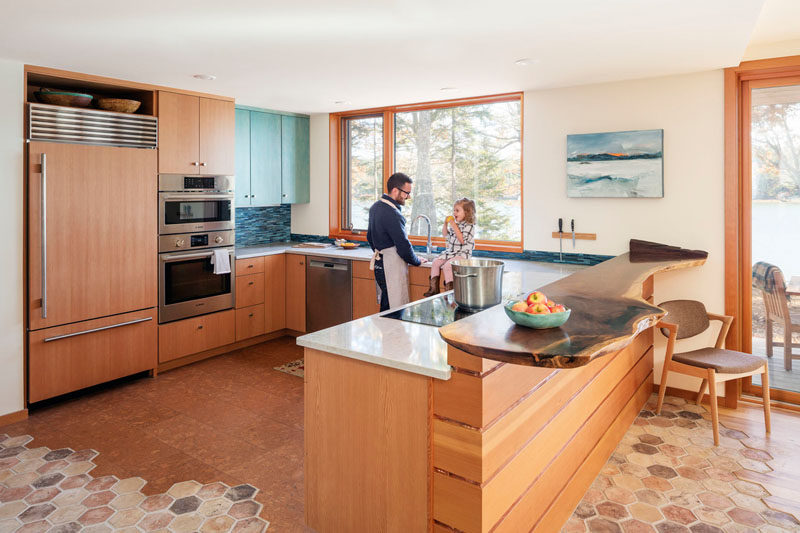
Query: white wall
point(11, 280)
point(689, 108)
point(312, 218)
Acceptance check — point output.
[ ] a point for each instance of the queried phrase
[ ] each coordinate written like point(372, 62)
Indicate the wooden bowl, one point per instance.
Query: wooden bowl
point(64, 98)
point(118, 105)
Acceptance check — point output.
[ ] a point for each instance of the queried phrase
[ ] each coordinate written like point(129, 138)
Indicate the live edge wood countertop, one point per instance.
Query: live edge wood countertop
point(608, 311)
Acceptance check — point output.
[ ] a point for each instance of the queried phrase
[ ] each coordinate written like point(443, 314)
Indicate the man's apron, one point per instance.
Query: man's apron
point(395, 273)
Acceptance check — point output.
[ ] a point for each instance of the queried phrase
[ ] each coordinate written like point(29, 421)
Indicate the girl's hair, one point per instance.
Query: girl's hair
point(469, 209)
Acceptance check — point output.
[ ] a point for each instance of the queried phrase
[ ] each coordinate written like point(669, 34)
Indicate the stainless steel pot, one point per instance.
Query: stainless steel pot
point(477, 283)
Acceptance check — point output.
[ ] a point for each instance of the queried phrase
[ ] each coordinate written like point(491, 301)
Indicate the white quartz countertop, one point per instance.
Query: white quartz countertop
point(415, 347)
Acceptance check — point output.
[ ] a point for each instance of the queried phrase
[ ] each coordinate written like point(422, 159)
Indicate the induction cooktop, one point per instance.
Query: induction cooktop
point(436, 312)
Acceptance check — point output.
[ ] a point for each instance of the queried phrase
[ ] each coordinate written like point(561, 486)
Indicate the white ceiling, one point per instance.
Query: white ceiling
point(304, 56)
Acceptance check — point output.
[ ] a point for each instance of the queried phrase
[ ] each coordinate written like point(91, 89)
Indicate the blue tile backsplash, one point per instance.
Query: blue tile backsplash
point(263, 225)
point(527, 255)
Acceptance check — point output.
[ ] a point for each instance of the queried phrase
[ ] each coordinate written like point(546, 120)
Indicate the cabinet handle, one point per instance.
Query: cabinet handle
point(252, 196)
point(250, 283)
point(44, 237)
point(50, 339)
point(250, 266)
point(247, 196)
point(283, 195)
point(200, 326)
point(195, 163)
point(250, 315)
point(203, 164)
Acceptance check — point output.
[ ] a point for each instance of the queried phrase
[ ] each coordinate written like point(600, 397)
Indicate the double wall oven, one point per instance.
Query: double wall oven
point(195, 220)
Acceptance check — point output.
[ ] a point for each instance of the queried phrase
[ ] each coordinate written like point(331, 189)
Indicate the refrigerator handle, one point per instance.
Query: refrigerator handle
point(44, 235)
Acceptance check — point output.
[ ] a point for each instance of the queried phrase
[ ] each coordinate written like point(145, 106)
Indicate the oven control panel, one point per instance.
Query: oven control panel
point(190, 241)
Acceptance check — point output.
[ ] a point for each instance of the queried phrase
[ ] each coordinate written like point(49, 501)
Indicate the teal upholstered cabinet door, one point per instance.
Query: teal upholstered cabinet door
point(296, 160)
point(242, 181)
point(265, 158)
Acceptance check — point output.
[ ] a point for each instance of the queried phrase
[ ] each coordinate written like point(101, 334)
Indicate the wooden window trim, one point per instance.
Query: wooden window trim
point(738, 200)
point(335, 230)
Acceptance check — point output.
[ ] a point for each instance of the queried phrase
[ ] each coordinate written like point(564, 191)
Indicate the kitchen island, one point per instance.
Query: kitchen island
point(455, 435)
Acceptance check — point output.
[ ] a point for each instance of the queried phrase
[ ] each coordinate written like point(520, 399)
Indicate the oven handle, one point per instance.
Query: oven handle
point(199, 197)
point(177, 256)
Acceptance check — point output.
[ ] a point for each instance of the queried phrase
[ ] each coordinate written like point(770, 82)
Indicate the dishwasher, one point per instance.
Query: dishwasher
point(329, 298)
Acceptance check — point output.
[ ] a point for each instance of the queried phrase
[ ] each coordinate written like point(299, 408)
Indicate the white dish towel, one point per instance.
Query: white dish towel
point(221, 261)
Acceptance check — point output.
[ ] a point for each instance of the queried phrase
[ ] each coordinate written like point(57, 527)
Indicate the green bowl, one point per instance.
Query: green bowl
point(551, 320)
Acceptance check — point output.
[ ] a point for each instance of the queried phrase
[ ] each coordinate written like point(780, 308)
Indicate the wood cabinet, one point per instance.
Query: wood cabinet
point(249, 290)
point(275, 293)
point(71, 357)
point(249, 322)
point(198, 334)
point(272, 158)
point(296, 292)
point(101, 233)
point(251, 265)
point(196, 135)
point(365, 296)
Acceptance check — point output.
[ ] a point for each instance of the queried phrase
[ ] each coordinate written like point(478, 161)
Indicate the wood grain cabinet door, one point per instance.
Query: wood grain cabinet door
point(217, 137)
point(249, 290)
point(99, 241)
point(365, 297)
point(178, 133)
point(274, 293)
point(296, 292)
point(67, 358)
point(249, 322)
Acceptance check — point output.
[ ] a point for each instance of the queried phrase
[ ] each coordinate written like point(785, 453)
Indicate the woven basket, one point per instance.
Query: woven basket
point(118, 105)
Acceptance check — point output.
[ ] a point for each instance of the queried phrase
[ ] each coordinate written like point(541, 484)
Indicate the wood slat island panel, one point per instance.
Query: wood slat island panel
point(484, 474)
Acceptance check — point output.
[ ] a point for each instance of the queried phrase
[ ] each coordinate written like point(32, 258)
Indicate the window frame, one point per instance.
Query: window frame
point(336, 165)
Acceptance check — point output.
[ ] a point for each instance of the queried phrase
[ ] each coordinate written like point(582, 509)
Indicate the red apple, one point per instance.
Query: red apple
point(558, 308)
point(536, 298)
point(538, 309)
point(519, 306)
point(550, 303)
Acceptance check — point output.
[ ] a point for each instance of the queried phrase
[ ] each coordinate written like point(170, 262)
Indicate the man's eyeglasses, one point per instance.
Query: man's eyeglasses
point(407, 193)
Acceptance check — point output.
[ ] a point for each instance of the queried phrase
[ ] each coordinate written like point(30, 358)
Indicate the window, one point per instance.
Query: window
point(363, 170)
point(455, 149)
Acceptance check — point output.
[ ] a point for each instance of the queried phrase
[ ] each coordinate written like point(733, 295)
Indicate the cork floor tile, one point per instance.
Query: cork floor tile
point(198, 422)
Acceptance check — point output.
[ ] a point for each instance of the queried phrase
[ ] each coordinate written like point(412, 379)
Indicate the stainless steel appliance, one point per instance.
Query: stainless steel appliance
point(329, 297)
point(187, 285)
point(437, 312)
point(195, 203)
point(478, 283)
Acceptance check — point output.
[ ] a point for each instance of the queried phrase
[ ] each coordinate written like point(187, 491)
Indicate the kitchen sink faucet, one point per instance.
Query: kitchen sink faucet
point(428, 250)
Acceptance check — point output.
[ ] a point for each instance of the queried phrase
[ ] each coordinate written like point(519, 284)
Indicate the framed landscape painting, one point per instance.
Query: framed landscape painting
point(620, 164)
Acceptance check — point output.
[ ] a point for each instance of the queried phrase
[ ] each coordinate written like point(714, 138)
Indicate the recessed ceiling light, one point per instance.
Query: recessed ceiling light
point(447, 89)
point(204, 77)
point(525, 62)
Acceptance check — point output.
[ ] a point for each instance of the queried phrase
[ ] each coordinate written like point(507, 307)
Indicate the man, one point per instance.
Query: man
point(386, 234)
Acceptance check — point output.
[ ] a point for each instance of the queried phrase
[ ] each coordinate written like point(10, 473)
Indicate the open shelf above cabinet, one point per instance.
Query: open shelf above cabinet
point(98, 89)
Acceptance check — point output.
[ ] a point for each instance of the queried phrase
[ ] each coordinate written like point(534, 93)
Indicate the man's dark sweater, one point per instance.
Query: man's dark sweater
point(387, 228)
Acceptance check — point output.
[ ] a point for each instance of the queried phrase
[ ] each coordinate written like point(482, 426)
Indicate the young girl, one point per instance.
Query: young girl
point(459, 230)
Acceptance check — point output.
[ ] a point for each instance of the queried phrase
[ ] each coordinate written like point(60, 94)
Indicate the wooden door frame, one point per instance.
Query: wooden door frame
point(738, 200)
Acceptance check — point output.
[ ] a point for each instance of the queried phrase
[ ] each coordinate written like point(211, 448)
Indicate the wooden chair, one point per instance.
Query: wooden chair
point(777, 308)
point(688, 318)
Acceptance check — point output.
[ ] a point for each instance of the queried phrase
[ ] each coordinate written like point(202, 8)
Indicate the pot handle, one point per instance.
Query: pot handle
point(459, 275)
